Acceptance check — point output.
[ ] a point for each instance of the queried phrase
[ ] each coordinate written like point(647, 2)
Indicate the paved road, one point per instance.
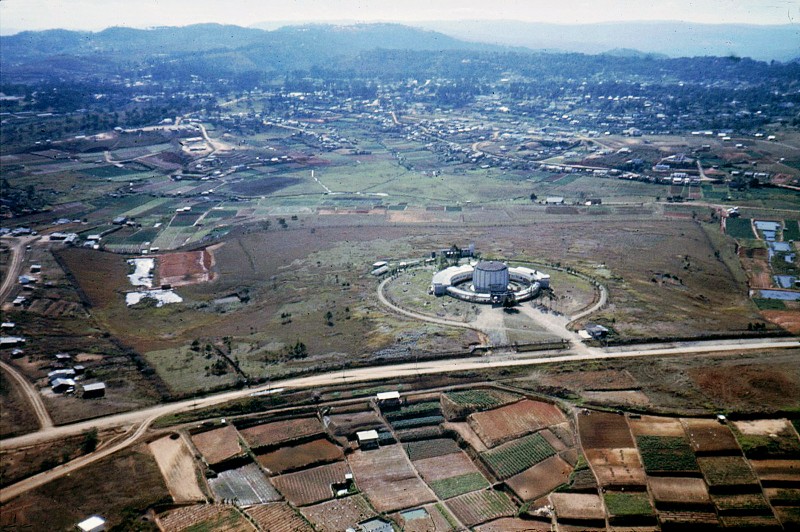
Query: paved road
point(143, 418)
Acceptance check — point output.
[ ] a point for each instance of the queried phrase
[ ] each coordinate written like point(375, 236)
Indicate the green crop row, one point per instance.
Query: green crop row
point(454, 486)
point(517, 456)
point(666, 453)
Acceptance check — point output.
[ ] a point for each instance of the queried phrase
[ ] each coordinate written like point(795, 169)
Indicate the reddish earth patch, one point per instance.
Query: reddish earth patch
point(297, 456)
point(707, 436)
point(270, 434)
point(788, 319)
point(746, 385)
point(385, 476)
point(512, 421)
point(191, 267)
point(778, 471)
point(540, 479)
point(603, 430)
point(515, 524)
point(218, 445)
point(311, 485)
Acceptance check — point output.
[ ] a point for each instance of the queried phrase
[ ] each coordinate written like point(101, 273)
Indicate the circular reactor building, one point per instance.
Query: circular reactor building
point(490, 277)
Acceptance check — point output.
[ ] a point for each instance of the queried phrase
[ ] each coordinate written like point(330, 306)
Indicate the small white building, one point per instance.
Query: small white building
point(388, 398)
point(93, 524)
point(367, 439)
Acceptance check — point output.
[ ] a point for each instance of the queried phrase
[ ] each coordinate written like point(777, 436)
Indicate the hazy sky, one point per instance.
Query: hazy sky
point(16, 15)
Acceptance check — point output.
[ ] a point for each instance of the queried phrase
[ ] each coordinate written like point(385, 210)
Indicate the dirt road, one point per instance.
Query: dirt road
point(17, 249)
point(31, 394)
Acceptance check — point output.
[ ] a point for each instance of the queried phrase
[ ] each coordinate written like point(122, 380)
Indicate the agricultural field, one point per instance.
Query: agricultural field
point(423, 449)
point(661, 454)
point(177, 465)
point(600, 430)
point(218, 445)
point(278, 517)
point(616, 467)
point(774, 438)
point(386, 478)
point(722, 472)
point(338, 514)
point(457, 405)
point(292, 457)
point(582, 507)
point(540, 479)
point(629, 507)
point(311, 486)
point(708, 436)
point(223, 517)
point(429, 518)
point(516, 456)
point(246, 484)
point(514, 420)
point(275, 433)
point(676, 493)
point(481, 506)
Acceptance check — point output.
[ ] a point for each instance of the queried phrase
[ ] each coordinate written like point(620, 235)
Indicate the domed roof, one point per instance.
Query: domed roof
point(491, 266)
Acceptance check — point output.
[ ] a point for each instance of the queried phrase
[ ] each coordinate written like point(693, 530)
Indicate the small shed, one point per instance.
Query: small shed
point(388, 398)
point(91, 391)
point(63, 385)
point(367, 439)
point(94, 523)
point(596, 331)
point(554, 200)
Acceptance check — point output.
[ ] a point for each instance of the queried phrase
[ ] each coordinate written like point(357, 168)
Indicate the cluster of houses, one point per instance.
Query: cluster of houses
point(63, 380)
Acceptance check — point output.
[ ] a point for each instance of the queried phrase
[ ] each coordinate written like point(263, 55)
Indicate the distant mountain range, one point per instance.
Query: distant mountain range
point(673, 39)
point(233, 49)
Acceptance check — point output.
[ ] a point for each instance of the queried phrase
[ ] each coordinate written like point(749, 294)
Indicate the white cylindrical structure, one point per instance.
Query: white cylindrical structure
point(489, 277)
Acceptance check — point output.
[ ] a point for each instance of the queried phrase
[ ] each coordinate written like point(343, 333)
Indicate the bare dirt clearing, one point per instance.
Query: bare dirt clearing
point(218, 445)
point(177, 464)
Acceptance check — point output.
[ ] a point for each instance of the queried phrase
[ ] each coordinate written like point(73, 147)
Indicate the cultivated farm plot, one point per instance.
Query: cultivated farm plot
point(218, 445)
point(338, 514)
point(278, 517)
point(778, 472)
point(451, 475)
point(578, 506)
point(679, 492)
point(656, 426)
point(707, 436)
point(603, 430)
point(217, 517)
point(420, 450)
point(616, 467)
point(516, 456)
point(666, 454)
point(540, 479)
point(741, 503)
point(457, 405)
point(385, 476)
point(177, 465)
point(246, 484)
point(293, 457)
point(723, 472)
point(514, 524)
point(429, 518)
point(514, 420)
point(481, 506)
point(352, 422)
point(311, 485)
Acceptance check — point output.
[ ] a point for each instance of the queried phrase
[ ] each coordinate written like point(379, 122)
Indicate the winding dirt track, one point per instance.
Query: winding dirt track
point(31, 394)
